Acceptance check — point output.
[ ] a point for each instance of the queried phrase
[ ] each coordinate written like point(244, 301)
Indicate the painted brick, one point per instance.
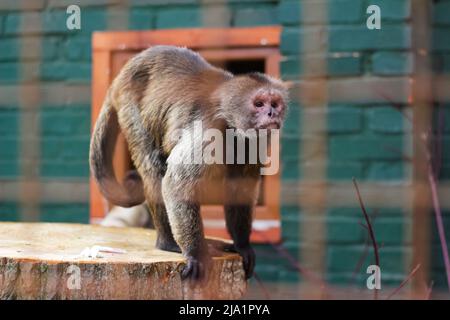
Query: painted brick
point(365, 148)
point(290, 227)
point(140, 3)
point(53, 22)
point(441, 63)
point(59, 122)
point(77, 48)
point(390, 231)
point(350, 65)
point(345, 170)
point(7, 5)
point(141, 19)
point(9, 49)
point(69, 149)
point(344, 230)
point(178, 18)
point(441, 39)
point(293, 120)
point(444, 173)
point(434, 231)
point(14, 49)
point(385, 119)
point(29, 23)
point(81, 3)
point(8, 148)
point(441, 117)
point(356, 212)
point(91, 20)
point(290, 148)
point(9, 211)
point(344, 119)
point(64, 169)
point(77, 213)
point(345, 258)
point(290, 169)
point(292, 40)
point(291, 211)
point(392, 63)
point(345, 38)
point(267, 272)
point(441, 12)
point(9, 169)
point(66, 70)
point(9, 72)
point(9, 121)
point(212, 16)
point(446, 151)
point(339, 11)
point(386, 171)
point(392, 10)
point(255, 16)
point(292, 67)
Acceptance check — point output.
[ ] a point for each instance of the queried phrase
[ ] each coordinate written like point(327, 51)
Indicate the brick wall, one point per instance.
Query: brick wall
point(364, 137)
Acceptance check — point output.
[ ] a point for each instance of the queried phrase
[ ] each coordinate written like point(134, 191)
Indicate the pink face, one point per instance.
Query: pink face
point(268, 107)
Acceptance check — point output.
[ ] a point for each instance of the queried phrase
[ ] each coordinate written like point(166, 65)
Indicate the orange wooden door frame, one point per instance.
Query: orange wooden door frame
point(214, 44)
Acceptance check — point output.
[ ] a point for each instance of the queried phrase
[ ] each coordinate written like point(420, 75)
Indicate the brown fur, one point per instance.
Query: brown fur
point(159, 91)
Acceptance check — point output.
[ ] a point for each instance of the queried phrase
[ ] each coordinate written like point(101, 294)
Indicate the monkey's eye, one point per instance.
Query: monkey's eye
point(258, 104)
point(274, 105)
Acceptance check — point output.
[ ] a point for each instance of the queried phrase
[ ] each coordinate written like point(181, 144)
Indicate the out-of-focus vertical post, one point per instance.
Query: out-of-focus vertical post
point(422, 112)
point(314, 141)
point(29, 156)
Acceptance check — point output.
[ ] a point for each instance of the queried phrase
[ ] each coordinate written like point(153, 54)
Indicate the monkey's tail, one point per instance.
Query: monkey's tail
point(130, 192)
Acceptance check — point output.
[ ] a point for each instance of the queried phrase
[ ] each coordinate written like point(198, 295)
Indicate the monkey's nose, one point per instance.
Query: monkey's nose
point(271, 112)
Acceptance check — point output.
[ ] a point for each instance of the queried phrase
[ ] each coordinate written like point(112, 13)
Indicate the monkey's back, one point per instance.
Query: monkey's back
point(169, 85)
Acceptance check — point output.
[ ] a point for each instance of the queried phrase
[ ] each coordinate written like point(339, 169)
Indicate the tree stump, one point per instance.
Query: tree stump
point(43, 261)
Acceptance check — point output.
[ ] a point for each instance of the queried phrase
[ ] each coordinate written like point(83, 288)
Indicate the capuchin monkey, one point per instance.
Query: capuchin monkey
point(159, 92)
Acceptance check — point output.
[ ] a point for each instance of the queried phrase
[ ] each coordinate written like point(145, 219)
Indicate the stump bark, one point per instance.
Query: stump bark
point(42, 261)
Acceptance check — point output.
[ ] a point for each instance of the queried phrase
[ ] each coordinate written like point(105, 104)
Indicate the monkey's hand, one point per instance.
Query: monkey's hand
point(196, 268)
point(248, 259)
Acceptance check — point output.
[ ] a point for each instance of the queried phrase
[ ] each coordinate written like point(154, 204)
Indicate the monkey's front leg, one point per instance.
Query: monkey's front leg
point(241, 196)
point(178, 187)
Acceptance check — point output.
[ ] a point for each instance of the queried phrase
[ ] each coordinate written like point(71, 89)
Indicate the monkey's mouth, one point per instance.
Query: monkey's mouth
point(270, 125)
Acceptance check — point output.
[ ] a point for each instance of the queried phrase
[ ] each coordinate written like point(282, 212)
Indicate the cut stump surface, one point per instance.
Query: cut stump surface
point(43, 261)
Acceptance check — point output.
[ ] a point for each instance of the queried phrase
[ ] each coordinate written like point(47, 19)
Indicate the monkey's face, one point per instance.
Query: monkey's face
point(267, 108)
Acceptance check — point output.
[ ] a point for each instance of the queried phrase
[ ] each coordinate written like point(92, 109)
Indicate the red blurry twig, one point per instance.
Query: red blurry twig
point(294, 263)
point(439, 222)
point(430, 289)
point(263, 287)
point(404, 282)
point(363, 256)
point(433, 171)
point(370, 230)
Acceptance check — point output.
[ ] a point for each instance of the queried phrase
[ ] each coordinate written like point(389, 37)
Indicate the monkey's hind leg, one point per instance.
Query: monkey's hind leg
point(150, 165)
point(164, 240)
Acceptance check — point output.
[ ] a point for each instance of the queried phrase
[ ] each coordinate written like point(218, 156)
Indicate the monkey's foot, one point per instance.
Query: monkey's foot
point(248, 260)
point(167, 245)
point(195, 269)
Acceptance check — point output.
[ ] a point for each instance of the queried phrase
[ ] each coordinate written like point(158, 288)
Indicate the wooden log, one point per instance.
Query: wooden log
point(43, 261)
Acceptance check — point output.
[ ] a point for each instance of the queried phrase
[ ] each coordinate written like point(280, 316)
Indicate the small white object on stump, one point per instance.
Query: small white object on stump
point(44, 261)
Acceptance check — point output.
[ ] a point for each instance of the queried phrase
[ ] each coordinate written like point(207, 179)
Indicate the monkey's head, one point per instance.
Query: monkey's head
point(254, 101)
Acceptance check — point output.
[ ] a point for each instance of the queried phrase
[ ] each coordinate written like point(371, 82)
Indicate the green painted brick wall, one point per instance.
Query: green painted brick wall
point(365, 141)
point(9, 212)
point(65, 212)
point(65, 141)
